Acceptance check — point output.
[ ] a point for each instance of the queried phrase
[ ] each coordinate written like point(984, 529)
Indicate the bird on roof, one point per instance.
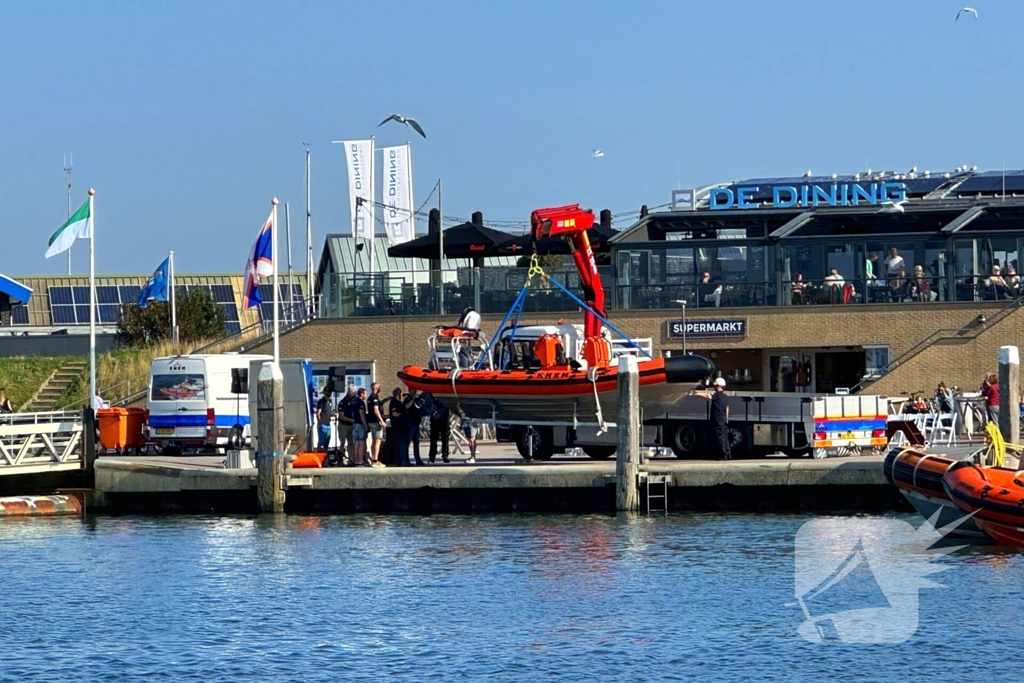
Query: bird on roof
point(892, 207)
point(597, 154)
point(407, 121)
point(966, 9)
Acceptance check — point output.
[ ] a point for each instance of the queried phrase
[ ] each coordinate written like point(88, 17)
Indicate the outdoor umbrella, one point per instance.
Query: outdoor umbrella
point(467, 240)
point(522, 244)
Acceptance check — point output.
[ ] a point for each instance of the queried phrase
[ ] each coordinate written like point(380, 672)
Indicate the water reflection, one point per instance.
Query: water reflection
point(526, 597)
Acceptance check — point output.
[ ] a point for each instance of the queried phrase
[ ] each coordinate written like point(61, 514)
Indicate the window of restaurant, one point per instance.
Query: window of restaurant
point(876, 361)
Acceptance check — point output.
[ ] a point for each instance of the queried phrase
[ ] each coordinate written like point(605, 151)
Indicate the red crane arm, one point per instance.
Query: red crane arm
point(572, 222)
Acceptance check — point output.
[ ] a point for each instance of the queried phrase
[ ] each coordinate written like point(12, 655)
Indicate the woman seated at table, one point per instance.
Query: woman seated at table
point(921, 286)
point(998, 288)
point(898, 286)
point(799, 289)
point(1012, 280)
point(915, 406)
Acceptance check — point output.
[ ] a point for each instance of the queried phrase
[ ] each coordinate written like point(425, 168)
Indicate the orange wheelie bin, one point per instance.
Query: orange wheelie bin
point(113, 428)
point(136, 421)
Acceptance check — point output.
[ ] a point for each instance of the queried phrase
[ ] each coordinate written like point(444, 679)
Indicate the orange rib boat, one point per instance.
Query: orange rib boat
point(919, 477)
point(556, 392)
point(994, 494)
point(553, 373)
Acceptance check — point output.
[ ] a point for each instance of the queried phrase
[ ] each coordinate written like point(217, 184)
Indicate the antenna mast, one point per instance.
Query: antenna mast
point(69, 161)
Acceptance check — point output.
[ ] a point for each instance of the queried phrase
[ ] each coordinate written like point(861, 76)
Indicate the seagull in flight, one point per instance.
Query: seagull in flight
point(966, 9)
point(598, 154)
point(407, 121)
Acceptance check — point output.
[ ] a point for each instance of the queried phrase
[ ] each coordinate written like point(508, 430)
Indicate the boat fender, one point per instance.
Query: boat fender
point(592, 376)
point(687, 369)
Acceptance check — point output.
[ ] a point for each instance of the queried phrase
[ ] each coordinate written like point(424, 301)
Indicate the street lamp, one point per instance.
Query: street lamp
point(682, 326)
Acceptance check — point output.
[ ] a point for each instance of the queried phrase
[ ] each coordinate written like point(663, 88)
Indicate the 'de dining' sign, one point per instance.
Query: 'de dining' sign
point(736, 327)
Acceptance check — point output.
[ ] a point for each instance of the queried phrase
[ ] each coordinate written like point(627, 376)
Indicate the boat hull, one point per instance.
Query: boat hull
point(556, 395)
point(919, 477)
point(994, 495)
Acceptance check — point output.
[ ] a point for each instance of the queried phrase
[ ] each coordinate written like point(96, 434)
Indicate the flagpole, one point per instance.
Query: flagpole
point(92, 299)
point(440, 249)
point(373, 215)
point(412, 216)
point(67, 181)
point(174, 312)
point(273, 258)
point(309, 228)
point(288, 238)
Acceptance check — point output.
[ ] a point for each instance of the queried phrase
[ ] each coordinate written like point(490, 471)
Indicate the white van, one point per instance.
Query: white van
point(190, 401)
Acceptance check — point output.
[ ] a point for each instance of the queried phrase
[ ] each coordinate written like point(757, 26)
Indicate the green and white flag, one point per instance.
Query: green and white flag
point(79, 225)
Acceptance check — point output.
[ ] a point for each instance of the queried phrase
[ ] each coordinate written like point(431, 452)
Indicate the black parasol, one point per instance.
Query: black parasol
point(467, 240)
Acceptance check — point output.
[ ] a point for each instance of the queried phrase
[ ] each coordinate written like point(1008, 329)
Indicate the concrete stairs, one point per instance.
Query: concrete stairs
point(55, 386)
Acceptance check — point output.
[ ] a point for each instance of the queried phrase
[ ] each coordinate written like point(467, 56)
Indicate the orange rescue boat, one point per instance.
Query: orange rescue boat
point(994, 494)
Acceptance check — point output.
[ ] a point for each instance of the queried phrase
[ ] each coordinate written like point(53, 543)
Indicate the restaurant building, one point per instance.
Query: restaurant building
point(875, 282)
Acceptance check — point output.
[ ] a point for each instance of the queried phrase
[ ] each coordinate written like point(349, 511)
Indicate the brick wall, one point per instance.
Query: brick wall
point(394, 342)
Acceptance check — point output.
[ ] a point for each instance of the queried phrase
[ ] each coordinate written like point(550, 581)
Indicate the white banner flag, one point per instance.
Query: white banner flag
point(399, 221)
point(359, 155)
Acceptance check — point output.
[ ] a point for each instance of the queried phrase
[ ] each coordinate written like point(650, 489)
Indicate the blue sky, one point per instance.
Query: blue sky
point(188, 116)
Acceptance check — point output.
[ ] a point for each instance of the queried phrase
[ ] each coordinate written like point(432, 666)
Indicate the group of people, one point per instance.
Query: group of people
point(944, 400)
point(362, 418)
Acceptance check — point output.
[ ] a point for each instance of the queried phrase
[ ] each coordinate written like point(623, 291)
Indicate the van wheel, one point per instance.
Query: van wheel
point(543, 442)
point(235, 438)
point(599, 452)
point(686, 440)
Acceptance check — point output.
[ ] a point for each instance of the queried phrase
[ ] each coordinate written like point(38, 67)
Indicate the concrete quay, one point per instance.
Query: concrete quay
point(497, 483)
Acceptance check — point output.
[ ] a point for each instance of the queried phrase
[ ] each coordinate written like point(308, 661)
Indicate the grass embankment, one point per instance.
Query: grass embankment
point(124, 372)
point(22, 375)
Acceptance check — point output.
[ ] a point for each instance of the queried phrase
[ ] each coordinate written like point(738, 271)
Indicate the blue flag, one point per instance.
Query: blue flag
point(156, 285)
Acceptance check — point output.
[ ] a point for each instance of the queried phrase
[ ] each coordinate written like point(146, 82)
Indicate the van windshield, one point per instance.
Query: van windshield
point(178, 387)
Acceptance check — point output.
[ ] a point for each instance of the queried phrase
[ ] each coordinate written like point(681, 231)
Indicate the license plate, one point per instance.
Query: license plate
point(165, 430)
point(848, 435)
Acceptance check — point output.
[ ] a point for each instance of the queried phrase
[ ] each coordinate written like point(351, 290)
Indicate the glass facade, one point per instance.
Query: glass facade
point(692, 259)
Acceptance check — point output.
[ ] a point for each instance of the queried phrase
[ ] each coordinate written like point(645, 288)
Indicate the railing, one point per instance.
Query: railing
point(488, 290)
point(38, 442)
point(702, 295)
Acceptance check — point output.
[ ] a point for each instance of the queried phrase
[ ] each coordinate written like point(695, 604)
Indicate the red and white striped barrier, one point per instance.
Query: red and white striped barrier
point(19, 506)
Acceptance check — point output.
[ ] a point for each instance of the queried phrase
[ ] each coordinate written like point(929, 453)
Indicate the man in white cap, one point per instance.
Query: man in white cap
point(719, 417)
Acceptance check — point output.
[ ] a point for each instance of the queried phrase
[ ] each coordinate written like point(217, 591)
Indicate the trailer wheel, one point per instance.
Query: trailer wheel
point(599, 452)
point(543, 442)
point(686, 440)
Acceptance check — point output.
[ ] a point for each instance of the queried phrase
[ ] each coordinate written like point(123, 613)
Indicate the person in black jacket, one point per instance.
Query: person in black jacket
point(399, 430)
point(414, 416)
point(440, 428)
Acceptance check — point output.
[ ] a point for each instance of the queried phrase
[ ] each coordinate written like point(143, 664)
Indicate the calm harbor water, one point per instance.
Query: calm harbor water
point(518, 598)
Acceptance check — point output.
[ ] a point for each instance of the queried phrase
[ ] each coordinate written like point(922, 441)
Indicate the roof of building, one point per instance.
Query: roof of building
point(808, 205)
point(15, 291)
point(63, 300)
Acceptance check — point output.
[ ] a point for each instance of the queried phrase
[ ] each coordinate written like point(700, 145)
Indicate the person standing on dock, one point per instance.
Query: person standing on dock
point(360, 428)
point(324, 410)
point(376, 420)
point(990, 392)
point(719, 417)
point(345, 422)
point(440, 429)
point(414, 416)
point(399, 428)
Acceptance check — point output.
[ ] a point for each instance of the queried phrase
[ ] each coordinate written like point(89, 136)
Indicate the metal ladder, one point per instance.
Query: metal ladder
point(660, 499)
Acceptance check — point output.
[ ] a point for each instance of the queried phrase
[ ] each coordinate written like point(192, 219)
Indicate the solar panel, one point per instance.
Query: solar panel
point(109, 313)
point(230, 312)
point(19, 315)
point(233, 328)
point(60, 295)
point(63, 315)
point(82, 313)
point(81, 295)
point(223, 294)
point(107, 295)
point(129, 294)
